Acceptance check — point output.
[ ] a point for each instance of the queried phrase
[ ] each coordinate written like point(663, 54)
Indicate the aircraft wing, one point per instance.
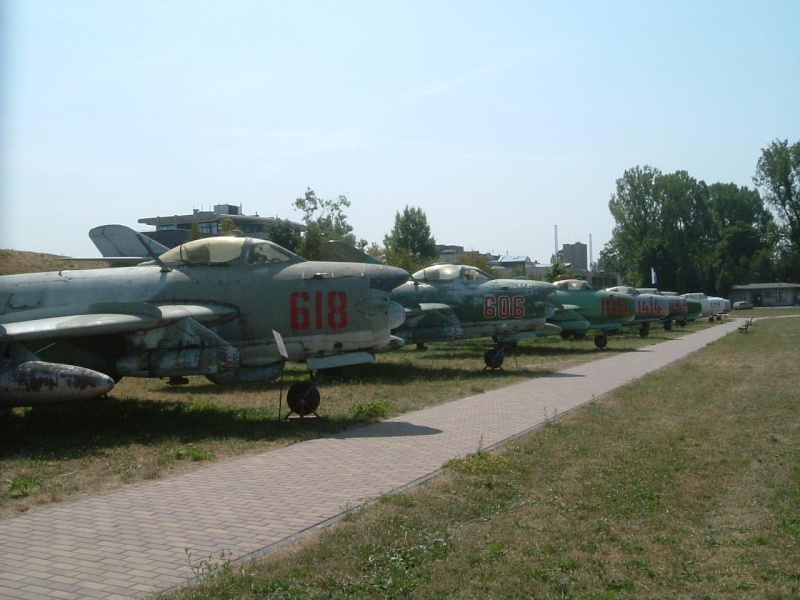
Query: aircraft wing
point(111, 318)
point(574, 307)
point(114, 261)
point(569, 318)
point(441, 312)
point(427, 308)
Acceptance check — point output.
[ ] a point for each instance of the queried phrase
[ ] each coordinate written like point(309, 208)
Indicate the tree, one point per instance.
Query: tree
point(609, 260)
point(283, 234)
point(474, 259)
point(636, 208)
point(558, 269)
point(696, 237)
point(685, 232)
point(227, 226)
point(743, 232)
point(325, 220)
point(410, 244)
point(778, 177)
point(194, 232)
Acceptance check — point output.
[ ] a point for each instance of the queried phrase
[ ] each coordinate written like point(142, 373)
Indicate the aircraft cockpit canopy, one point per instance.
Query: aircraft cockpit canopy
point(574, 285)
point(448, 272)
point(224, 251)
point(622, 289)
point(268, 253)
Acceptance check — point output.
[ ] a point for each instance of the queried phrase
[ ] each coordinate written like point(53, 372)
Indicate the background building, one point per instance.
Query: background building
point(174, 230)
point(767, 294)
point(509, 266)
point(576, 255)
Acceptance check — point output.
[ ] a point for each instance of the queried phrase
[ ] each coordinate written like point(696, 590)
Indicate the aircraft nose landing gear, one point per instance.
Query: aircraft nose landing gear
point(494, 358)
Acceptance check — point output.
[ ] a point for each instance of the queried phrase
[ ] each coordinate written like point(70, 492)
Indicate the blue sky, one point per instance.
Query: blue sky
point(500, 120)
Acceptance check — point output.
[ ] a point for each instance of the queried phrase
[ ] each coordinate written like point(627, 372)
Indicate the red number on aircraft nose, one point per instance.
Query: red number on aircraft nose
point(503, 307)
point(301, 315)
point(337, 310)
point(301, 307)
point(614, 307)
point(645, 306)
point(519, 307)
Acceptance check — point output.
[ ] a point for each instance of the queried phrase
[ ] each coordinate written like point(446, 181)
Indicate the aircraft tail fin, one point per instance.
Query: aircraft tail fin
point(119, 241)
point(339, 251)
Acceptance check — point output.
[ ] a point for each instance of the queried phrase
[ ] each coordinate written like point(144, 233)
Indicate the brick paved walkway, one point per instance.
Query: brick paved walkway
point(133, 542)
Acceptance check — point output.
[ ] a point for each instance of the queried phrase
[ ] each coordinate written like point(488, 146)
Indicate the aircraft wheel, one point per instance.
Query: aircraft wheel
point(667, 325)
point(303, 398)
point(600, 341)
point(682, 323)
point(644, 331)
point(493, 358)
point(565, 335)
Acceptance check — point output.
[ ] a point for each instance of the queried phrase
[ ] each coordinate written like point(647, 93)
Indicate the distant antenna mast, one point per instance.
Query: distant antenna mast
point(556, 231)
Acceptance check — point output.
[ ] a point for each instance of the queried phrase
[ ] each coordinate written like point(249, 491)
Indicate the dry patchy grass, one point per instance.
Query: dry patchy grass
point(13, 262)
point(148, 429)
point(685, 484)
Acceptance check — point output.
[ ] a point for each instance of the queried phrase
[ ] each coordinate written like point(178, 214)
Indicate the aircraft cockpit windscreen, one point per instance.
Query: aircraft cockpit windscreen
point(474, 274)
point(267, 253)
point(207, 251)
point(448, 272)
point(624, 290)
point(574, 285)
point(439, 273)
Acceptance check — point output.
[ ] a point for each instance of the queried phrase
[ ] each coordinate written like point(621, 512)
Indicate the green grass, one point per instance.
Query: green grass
point(685, 484)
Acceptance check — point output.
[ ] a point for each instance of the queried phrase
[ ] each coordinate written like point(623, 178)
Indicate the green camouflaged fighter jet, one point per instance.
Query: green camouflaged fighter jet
point(447, 302)
point(585, 308)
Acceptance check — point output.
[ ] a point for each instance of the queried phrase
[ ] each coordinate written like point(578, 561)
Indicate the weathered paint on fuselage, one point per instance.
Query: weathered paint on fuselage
point(596, 309)
point(319, 309)
point(677, 305)
point(473, 305)
point(710, 305)
point(649, 307)
point(693, 309)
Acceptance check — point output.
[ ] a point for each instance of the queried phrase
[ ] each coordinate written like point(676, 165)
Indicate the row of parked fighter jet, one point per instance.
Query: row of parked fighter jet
point(449, 301)
point(236, 309)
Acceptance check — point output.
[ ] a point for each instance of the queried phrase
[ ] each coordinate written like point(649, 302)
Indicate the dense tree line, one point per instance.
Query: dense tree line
point(699, 237)
point(695, 236)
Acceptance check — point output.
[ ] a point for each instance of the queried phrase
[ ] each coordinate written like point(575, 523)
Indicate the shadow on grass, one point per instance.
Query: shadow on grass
point(615, 346)
point(85, 429)
point(414, 374)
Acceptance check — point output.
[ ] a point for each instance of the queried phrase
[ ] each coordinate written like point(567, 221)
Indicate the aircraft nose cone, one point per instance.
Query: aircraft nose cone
point(386, 278)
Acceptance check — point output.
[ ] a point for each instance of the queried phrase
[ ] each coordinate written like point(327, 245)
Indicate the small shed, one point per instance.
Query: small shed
point(767, 294)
